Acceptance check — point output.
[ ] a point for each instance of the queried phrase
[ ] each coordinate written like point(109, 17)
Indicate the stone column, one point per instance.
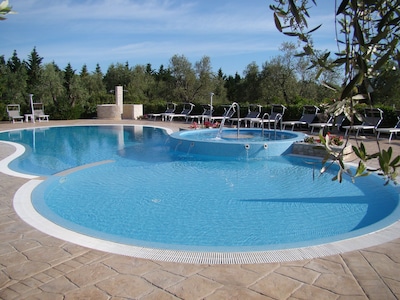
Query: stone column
point(119, 98)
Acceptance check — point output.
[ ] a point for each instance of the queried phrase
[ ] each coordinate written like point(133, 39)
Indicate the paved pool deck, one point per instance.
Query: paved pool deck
point(38, 266)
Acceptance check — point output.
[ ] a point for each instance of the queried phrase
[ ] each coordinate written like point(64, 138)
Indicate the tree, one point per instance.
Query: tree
point(164, 83)
point(233, 88)
point(205, 78)
point(118, 74)
point(51, 86)
point(84, 72)
point(219, 87)
point(3, 77)
point(94, 85)
point(33, 69)
point(368, 36)
point(251, 85)
point(16, 79)
point(185, 83)
point(142, 88)
point(75, 93)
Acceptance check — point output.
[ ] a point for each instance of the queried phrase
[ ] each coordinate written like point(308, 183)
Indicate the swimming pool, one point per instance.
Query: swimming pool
point(127, 185)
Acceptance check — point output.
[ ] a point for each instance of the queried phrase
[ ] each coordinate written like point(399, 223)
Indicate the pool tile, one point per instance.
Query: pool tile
point(90, 274)
point(126, 286)
point(299, 273)
point(90, 292)
point(276, 286)
point(312, 292)
point(159, 295)
point(236, 293)
point(130, 265)
point(26, 269)
point(194, 287)
point(62, 285)
point(344, 285)
point(163, 279)
point(231, 275)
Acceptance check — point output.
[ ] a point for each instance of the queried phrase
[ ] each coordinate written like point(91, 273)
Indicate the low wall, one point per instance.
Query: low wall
point(317, 150)
point(108, 111)
point(132, 111)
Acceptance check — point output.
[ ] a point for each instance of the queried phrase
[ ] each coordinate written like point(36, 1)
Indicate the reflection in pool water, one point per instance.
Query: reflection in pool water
point(150, 195)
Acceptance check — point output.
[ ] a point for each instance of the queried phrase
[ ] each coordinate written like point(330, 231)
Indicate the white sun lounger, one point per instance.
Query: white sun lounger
point(370, 121)
point(253, 114)
point(187, 109)
point(276, 115)
point(333, 121)
point(390, 131)
point(207, 113)
point(228, 113)
point(38, 112)
point(307, 117)
point(171, 106)
point(14, 113)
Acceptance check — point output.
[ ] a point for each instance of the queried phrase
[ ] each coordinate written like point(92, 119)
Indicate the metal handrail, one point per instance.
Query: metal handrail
point(226, 117)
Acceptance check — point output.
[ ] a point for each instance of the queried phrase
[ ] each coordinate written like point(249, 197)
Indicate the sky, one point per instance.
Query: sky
point(232, 33)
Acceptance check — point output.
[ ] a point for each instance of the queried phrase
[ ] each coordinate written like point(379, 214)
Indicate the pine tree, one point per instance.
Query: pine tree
point(33, 69)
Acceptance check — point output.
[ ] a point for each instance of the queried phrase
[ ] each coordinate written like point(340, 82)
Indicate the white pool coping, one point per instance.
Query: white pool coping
point(24, 208)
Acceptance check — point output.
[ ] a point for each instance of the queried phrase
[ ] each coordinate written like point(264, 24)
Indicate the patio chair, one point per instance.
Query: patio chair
point(390, 131)
point(14, 113)
point(332, 121)
point(38, 112)
point(186, 110)
point(370, 121)
point(171, 106)
point(276, 115)
point(307, 117)
point(228, 113)
point(207, 113)
point(253, 113)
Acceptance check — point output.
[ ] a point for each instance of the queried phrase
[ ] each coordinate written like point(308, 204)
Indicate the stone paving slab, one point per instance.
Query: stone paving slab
point(36, 266)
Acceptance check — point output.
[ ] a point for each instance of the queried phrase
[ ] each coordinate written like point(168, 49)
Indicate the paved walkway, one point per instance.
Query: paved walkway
point(37, 266)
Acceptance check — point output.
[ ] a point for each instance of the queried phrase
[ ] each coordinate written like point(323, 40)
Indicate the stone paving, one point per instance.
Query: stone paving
point(37, 266)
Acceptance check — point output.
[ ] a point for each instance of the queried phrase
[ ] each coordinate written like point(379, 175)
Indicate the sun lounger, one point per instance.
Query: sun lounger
point(390, 131)
point(370, 121)
point(276, 115)
point(171, 106)
point(228, 113)
point(187, 109)
point(207, 113)
point(254, 111)
point(307, 117)
point(38, 112)
point(14, 113)
point(332, 121)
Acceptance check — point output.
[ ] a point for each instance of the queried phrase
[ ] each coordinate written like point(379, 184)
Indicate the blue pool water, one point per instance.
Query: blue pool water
point(245, 143)
point(147, 194)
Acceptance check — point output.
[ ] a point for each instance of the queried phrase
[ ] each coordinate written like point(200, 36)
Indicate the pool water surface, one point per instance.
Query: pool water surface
point(148, 195)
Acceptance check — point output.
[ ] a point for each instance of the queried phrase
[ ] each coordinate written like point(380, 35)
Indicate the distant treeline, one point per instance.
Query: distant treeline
point(71, 94)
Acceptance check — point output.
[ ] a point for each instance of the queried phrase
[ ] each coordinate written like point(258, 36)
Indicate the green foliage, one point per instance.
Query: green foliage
point(368, 34)
point(5, 9)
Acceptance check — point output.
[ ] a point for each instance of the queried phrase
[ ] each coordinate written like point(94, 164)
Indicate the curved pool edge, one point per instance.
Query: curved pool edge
point(25, 210)
point(186, 142)
point(19, 150)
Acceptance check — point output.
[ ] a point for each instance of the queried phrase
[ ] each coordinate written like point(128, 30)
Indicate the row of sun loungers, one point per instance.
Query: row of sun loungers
point(14, 113)
point(371, 118)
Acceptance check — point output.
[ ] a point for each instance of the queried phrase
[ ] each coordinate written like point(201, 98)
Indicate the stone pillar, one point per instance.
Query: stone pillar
point(119, 98)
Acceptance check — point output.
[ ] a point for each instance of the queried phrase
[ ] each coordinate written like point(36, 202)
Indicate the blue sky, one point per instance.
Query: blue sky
point(232, 33)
